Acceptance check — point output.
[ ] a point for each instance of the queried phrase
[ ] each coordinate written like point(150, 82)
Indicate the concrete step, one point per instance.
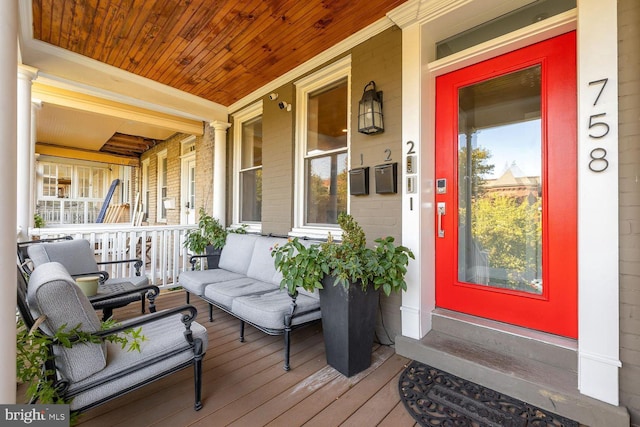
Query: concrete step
point(540, 370)
point(504, 338)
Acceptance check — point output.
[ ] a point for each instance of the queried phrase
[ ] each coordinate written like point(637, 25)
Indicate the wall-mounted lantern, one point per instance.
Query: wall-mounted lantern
point(370, 111)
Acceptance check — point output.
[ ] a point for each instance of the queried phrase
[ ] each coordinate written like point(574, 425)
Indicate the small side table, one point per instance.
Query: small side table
point(107, 306)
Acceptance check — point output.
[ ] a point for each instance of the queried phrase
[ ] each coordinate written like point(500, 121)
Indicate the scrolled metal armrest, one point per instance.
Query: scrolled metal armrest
point(137, 263)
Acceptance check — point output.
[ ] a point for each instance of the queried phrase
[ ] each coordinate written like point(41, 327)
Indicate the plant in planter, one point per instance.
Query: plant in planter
point(348, 310)
point(209, 238)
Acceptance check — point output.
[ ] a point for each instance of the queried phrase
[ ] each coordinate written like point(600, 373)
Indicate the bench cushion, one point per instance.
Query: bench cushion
point(195, 281)
point(52, 292)
point(162, 335)
point(236, 253)
point(262, 266)
point(223, 293)
point(268, 309)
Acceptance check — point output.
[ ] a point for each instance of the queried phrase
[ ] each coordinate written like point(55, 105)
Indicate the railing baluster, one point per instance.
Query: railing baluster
point(164, 250)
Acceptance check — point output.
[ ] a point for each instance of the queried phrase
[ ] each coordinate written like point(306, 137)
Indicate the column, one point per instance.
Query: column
point(598, 218)
point(35, 106)
point(8, 120)
point(220, 170)
point(25, 153)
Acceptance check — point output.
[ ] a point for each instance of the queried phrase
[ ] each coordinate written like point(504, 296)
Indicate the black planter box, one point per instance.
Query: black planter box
point(348, 324)
point(213, 257)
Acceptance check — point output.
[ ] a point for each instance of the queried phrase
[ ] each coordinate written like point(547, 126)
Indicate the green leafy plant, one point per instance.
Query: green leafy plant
point(38, 221)
point(33, 351)
point(349, 261)
point(209, 233)
point(301, 266)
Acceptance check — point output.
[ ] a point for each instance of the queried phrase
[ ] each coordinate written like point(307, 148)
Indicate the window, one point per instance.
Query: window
point(248, 167)
point(62, 181)
point(71, 193)
point(161, 210)
point(323, 148)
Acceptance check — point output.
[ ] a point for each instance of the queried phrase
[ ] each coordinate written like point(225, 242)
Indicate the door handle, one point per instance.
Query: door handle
point(441, 207)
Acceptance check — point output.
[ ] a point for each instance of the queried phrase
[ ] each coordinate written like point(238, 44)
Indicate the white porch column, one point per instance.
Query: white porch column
point(26, 75)
point(598, 253)
point(220, 170)
point(8, 123)
point(35, 106)
point(417, 207)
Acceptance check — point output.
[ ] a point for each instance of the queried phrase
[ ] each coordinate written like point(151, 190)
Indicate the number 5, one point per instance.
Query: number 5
point(593, 124)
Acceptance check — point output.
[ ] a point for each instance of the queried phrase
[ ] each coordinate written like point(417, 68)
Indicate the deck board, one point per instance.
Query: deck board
point(244, 383)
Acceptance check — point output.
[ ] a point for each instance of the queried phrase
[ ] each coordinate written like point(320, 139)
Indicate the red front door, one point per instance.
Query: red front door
point(506, 199)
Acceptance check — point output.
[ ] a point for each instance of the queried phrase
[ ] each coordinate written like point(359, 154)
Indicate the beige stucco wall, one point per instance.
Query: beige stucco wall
point(629, 147)
point(378, 59)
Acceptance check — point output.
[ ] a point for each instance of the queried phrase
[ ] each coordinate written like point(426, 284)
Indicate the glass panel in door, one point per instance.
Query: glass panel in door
point(499, 182)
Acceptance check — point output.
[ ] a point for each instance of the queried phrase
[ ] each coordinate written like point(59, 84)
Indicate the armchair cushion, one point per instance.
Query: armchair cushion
point(75, 255)
point(52, 291)
point(162, 336)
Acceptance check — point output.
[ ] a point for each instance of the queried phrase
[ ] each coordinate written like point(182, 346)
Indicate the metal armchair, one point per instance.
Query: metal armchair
point(94, 373)
point(78, 258)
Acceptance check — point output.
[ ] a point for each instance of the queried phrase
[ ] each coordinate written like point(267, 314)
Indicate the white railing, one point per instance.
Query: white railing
point(69, 211)
point(159, 247)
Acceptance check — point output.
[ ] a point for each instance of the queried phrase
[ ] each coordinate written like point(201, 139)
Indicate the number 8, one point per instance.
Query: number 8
point(598, 158)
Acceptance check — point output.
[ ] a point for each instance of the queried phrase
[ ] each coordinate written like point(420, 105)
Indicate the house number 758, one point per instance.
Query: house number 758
point(598, 129)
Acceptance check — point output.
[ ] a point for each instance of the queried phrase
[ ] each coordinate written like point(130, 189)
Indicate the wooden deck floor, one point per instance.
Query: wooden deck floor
point(244, 384)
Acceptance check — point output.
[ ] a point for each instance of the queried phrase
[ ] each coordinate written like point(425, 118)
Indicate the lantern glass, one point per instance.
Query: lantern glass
point(370, 111)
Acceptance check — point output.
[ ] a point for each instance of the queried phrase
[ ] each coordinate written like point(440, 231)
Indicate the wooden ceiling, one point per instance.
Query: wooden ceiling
point(218, 50)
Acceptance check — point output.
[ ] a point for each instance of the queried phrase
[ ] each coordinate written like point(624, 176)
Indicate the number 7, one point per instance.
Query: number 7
point(597, 82)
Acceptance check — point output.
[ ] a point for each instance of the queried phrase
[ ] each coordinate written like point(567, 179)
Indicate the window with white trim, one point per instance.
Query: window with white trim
point(162, 179)
point(322, 151)
point(248, 167)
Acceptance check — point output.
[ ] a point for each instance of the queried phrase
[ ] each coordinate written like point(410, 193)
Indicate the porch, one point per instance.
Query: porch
point(244, 383)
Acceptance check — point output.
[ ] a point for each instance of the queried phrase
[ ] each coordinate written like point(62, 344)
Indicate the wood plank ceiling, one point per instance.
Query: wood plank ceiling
point(218, 50)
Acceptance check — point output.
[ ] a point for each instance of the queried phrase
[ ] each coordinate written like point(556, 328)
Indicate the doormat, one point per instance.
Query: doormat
point(436, 398)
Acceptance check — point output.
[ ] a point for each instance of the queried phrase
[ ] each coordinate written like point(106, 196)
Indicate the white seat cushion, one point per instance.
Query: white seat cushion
point(268, 309)
point(162, 336)
point(195, 281)
point(223, 293)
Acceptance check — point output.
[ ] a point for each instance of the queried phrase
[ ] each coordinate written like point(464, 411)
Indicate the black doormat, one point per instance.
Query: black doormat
point(436, 398)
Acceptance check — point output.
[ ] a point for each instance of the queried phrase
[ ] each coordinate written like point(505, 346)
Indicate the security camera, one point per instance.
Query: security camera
point(284, 105)
point(273, 96)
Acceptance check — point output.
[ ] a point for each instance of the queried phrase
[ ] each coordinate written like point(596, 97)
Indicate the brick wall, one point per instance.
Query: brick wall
point(172, 146)
point(204, 169)
point(629, 150)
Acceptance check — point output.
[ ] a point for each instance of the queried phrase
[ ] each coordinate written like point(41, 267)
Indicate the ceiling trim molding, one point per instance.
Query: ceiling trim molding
point(315, 62)
point(84, 102)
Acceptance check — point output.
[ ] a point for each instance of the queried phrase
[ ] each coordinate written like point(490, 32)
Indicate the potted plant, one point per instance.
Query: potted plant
point(208, 238)
point(349, 276)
